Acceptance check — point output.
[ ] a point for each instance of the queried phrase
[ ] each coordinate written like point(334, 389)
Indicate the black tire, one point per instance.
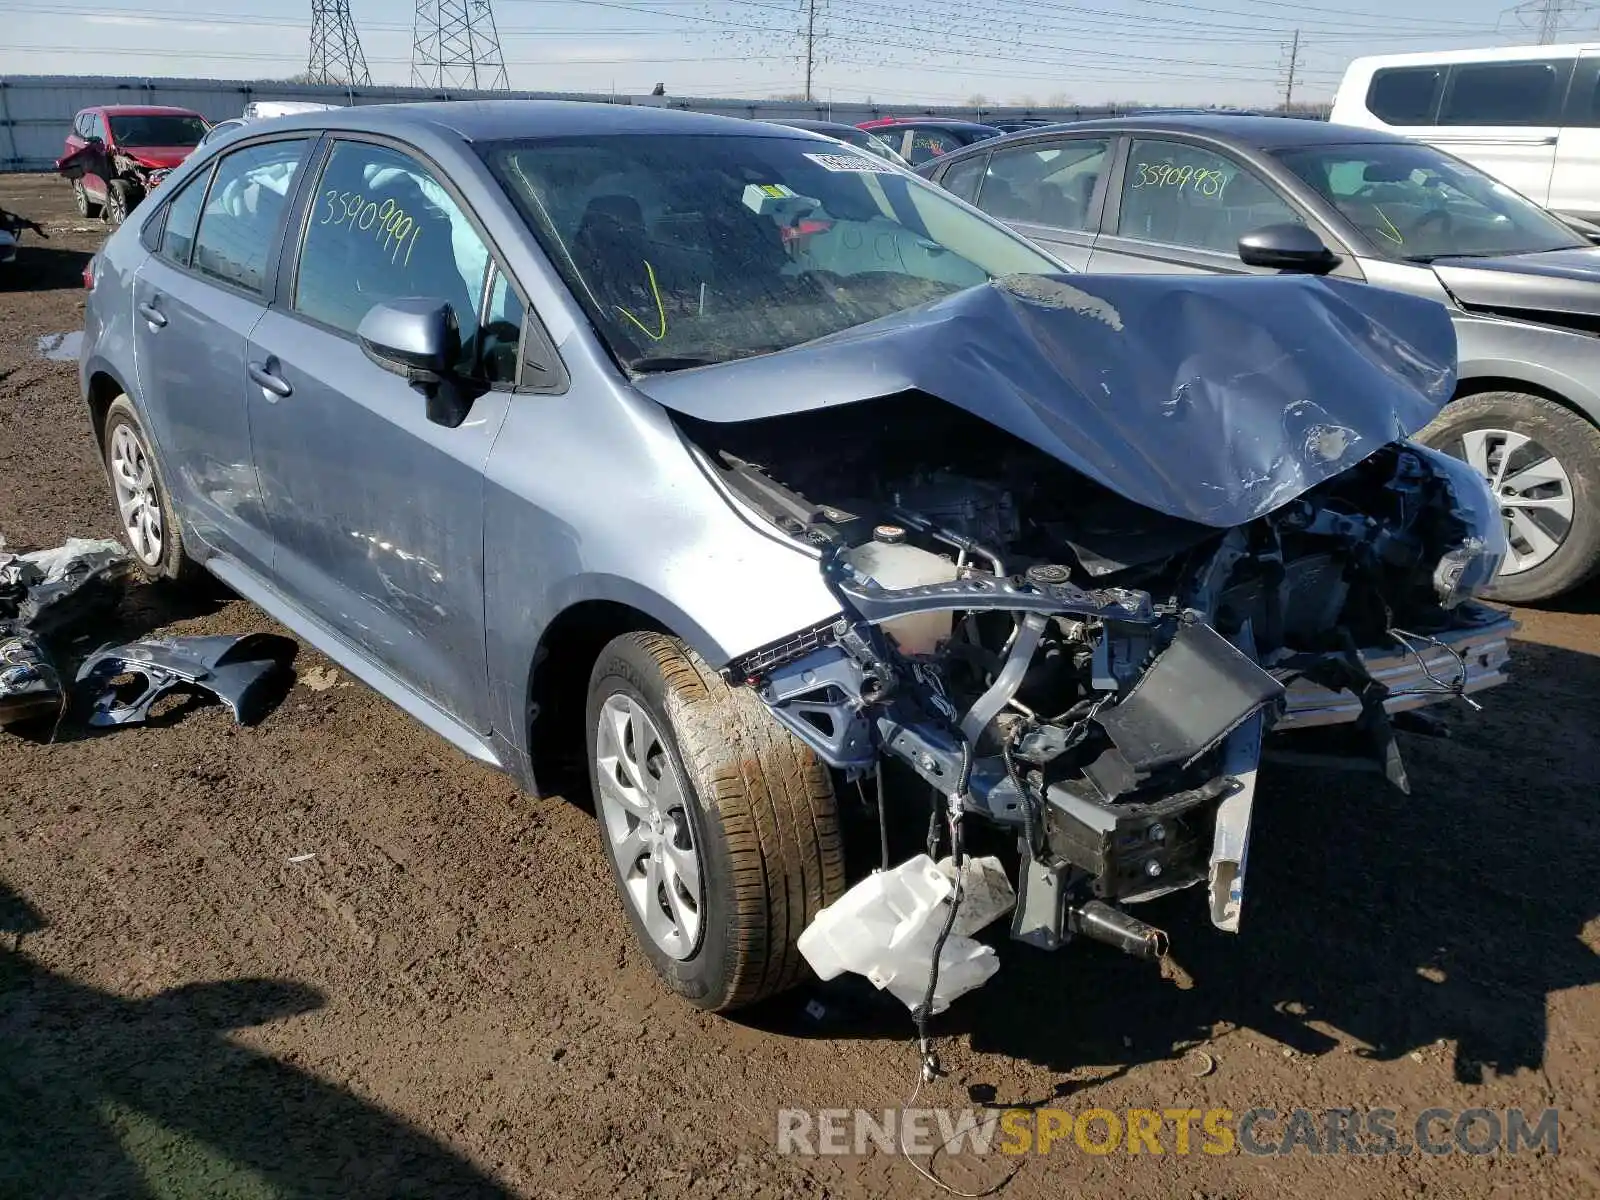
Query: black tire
point(762, 813)
point(121, 196)
point(80, 200)
point(1574, 443)
point(173, 563)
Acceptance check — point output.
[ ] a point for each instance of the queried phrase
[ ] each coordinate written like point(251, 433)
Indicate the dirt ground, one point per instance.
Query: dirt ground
point(444, 1000)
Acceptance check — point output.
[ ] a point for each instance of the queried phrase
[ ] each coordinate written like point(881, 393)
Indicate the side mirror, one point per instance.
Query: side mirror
point(95, 140)
point(1287, 247)
point(419, 340)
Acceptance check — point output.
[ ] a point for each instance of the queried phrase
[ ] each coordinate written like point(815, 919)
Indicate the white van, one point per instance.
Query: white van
point(1528, 115)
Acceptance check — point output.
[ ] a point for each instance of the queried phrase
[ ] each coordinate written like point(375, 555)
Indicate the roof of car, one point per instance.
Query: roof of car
point(494, 120)
point(141, 110)
point(942, 122)
point(1261, 133)
point(808, 123)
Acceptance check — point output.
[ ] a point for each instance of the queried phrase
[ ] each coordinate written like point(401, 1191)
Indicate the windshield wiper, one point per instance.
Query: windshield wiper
point(671, 362)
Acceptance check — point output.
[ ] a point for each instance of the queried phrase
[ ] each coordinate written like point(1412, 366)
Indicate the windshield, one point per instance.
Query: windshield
point(689, 250)
point(156, 129)
point(1415, 203)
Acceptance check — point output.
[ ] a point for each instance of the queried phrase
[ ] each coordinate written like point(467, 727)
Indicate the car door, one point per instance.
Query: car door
point(1504, 118)
point(196, 300)
point(1049, 191)
point(377, 512)
point(1180, 208)
point(97, 165)
point(1575, 178)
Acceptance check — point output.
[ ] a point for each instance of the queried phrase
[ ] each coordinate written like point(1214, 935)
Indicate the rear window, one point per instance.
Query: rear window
point(1522, 93)
point(1405, 95)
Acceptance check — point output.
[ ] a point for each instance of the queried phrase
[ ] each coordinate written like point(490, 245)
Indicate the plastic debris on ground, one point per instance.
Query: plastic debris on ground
point(885, 928)
point(29, 685)
point(242, 672)
point(40, 595)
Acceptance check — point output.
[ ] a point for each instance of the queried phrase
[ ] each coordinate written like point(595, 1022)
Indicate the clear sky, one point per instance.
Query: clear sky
point(937, 51)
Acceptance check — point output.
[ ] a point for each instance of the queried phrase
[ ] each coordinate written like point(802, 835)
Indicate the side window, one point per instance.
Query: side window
point(97, 126)
point(239, 227)
point(381, 227)
point(183, 215)
point(961, 179)
point(929, 144)
point(1405, 95)
point(500, 341)
point(1186, 196)
point(1050, 183)
point(1521, 93)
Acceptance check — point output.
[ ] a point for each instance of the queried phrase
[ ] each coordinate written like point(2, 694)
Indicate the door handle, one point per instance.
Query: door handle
point(269, 380)
point(152, 314)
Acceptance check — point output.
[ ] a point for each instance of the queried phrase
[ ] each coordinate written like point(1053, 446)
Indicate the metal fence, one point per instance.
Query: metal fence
point(36, 111)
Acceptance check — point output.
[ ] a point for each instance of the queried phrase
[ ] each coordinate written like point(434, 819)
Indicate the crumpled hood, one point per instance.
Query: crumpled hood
point(158, 157)
point(1556, 281)
point(1212, 399)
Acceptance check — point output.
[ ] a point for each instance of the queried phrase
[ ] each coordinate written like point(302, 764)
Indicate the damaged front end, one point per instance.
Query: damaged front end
point(1086, 644)
point(136, 175)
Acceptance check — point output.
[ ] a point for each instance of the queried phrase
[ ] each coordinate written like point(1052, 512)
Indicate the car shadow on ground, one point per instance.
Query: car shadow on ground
point(106, 1095)
point(1452, 913)
point(40, 267)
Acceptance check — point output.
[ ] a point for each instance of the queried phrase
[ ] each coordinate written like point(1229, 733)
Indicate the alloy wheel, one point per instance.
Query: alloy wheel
point(133, 479)
point(643, 808)
point(1532, 489)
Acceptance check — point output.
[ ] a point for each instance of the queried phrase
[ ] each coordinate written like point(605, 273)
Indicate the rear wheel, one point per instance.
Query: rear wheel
point(144, 508)
point(1542, 462)
point(719, 824)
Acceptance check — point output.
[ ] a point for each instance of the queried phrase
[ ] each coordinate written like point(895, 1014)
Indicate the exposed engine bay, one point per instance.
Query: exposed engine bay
point(1094, 675)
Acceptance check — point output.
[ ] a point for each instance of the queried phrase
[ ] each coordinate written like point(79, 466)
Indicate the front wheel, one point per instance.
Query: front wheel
point(719, 824)
point(121, 196)
point(80, 200)
point(1542, 462)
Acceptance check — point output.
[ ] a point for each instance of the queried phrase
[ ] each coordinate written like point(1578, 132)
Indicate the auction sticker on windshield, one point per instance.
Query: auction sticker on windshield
point(854, 162)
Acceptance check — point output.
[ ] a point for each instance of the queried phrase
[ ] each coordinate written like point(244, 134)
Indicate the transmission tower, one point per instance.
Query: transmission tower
point(1552, 18)
point(335, 48)
point(456, 46)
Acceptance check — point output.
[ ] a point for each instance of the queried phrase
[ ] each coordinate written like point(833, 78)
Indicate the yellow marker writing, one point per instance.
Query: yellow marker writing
point(1388, 231)
point(661, 309)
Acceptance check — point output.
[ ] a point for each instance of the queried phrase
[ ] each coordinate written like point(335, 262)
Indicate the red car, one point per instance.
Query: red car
point(117, 153)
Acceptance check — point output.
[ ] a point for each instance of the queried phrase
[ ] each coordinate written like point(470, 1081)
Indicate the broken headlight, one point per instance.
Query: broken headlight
point(1471, 565)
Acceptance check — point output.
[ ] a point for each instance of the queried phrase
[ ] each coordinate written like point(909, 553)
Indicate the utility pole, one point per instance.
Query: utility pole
point(811, 42)
point(336, 55)
point(1294, 61)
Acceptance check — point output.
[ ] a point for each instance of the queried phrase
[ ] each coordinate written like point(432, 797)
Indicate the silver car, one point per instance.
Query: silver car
point(1172, 193)
point(741, 477)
